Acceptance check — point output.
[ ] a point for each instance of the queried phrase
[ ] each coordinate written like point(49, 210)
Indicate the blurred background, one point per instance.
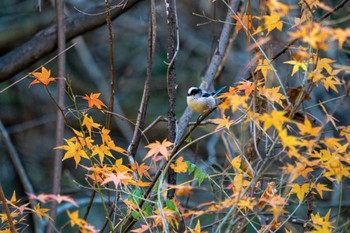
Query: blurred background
point(29, 115)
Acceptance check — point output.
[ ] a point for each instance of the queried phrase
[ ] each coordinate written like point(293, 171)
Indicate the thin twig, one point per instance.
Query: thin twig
point(111, 65)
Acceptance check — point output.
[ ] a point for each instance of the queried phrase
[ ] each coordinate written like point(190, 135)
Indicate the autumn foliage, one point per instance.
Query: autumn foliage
point(277, 163)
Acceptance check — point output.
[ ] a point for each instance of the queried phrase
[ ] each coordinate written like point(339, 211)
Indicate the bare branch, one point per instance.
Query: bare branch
point(44, 41)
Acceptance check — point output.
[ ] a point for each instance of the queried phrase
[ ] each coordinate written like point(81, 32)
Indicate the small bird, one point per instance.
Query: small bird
point(200, 101)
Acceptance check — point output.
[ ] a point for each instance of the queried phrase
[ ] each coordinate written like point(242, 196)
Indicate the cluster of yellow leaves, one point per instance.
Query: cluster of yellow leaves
point(321, 224)
point(81, 146)
point(318, 36)
point(320, 70)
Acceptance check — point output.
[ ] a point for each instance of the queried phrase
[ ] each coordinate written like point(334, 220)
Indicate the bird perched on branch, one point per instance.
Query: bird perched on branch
point(200, 101)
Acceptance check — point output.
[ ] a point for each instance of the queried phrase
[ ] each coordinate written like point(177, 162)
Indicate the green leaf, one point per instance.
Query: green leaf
point(199, 175)
point(190, 167)
point(135, 215)
point(170, 204)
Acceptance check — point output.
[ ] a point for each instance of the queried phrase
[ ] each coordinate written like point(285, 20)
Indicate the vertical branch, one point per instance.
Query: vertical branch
point(172, 49)
point(111, 62)
point(61, 44)
point(143, 105)
point(145, 96)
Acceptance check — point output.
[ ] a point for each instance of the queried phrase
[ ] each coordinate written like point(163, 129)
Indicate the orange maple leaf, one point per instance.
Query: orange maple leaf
point(42, 77)
point(93, 100)
point(141, 169)
point(157, 148)
point(180, 166)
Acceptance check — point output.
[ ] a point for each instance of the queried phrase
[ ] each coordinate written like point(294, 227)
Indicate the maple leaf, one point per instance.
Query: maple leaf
point(288, 141)
point(94, 101)
point(271, 22)
point(121, 177)
point(142, 169)
point(223, 122)
point(243, 20)
point(119, 167)
point(321, 224)
point(277, 204)
point(330, 82)
point(301, 190)
point(197, 228)
point(89, 123)
point(41, 212)
point(307, 129)
point(297, 65)
point(324, 64)
point(247, 86)
point(74, 150)
point(320, 188)
point(340, 35)
point(272, 94)
point(264, 67)
point(101, 150)
point(42, 77)
point(180, 166)
point(276, 119)
point(249, 203)
point(158, 148)
point(74, 219)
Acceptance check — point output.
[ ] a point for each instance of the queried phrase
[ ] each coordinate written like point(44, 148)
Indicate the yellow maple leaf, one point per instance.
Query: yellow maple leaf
point(307, 129)
point(197, 228)
point(74, 150)
point(180, 166)
point(74, 219)
point(297, 65)
point(89, 123)
point(330, 82)
point(263, 66)
point(322, 224)
point(101, 150)
point(276, 119)
point(271, 22)
point(42, 77)
point(301, 190)
point(93, 100)
point(320, 188)
point(41, 212)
